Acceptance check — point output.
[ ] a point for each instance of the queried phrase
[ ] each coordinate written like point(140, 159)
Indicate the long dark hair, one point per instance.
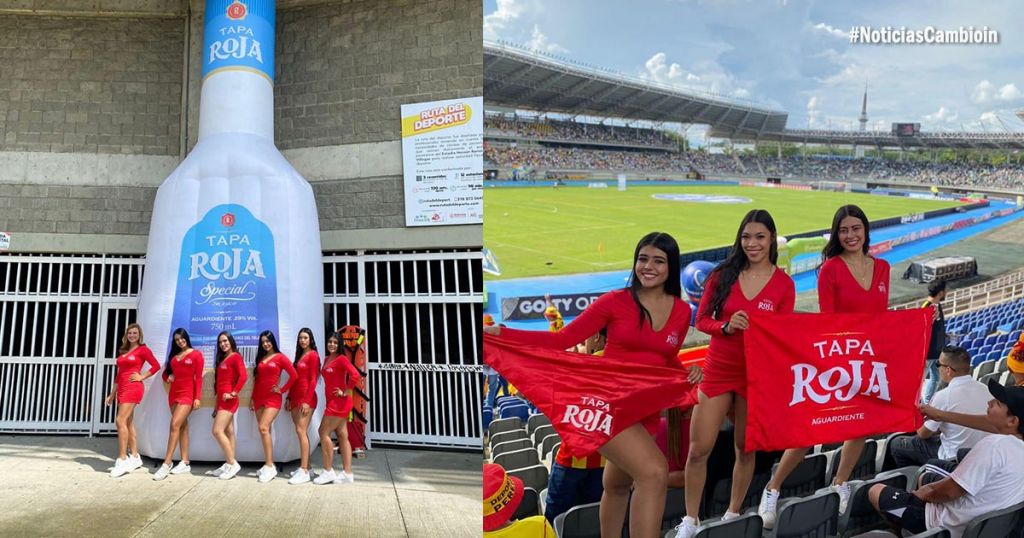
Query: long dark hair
point(298, 349)
point(667, 244)
point(180, 331)
point(220, 355)
point(261, 353)
point(337, 338)
point(834, 248)
point(728, 271)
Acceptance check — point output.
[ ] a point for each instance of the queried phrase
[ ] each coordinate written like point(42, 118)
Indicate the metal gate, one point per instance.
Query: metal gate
point(62, 317)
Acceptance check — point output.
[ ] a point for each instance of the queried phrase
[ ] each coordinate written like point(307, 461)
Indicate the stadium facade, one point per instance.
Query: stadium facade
point(99, 102)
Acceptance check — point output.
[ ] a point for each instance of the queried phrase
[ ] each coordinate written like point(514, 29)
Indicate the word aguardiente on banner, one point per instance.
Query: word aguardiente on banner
point(825, 378)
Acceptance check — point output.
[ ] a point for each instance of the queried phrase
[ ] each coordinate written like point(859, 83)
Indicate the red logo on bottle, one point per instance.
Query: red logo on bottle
point(227, 220)
point(236, 11)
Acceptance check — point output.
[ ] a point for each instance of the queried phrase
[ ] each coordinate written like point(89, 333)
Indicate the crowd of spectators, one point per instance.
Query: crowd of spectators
point(583, 159)
point(557, 130)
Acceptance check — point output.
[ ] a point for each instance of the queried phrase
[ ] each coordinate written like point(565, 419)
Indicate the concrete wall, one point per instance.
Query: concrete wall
point(99, 101)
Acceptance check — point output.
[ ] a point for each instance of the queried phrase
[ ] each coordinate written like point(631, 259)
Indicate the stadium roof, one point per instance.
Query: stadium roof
point(959, 140)
point(516, 78)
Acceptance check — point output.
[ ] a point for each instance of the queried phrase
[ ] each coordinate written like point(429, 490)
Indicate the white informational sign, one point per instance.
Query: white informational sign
point(442, 162)
point(5, 240)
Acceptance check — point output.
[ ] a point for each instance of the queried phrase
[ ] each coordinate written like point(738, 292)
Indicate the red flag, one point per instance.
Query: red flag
point(588, 399)
point(825, 378)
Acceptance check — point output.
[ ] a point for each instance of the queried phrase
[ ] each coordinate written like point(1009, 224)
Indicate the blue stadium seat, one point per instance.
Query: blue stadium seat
point(488, 416)
point(521, 411)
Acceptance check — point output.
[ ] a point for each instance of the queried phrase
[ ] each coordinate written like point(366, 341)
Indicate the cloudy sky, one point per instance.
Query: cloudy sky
point(794, 54)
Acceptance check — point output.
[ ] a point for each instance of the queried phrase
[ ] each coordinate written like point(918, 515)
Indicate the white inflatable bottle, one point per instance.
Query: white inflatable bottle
point(234, 242)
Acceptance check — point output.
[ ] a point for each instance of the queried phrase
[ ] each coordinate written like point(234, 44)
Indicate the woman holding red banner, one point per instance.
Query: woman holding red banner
point(746, 282)
point(646, 324)
point(849, 281)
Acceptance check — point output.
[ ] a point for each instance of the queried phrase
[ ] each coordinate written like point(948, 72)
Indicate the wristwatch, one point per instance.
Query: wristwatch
point(724, 327)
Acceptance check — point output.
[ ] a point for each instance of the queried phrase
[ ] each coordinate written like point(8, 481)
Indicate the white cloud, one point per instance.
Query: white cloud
point(658, 69)
point(507, 12)
point(812, 111)
point(943, 115)
point(539, 41)
point(989, 117)
point(985, 92)
point(830, 30)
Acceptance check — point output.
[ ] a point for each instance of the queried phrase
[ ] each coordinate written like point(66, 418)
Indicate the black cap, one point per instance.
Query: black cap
point(1012, 397)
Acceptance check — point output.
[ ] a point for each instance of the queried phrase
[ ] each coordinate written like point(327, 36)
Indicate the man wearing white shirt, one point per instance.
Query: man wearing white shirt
point(963, 394)
point(988, 479)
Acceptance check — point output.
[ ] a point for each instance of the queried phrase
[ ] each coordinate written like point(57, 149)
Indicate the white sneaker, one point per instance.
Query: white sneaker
point(219, 470)
point(844, 495)
point(769, 501)
point(135, 461)
point(300, 476)
point(121, 467)
point(230, 471)
point(687, 528)
point(729, 515)
point(162, 472)
point(181, 468)
point(326, 477)
point(344, 478)
point(266, 474)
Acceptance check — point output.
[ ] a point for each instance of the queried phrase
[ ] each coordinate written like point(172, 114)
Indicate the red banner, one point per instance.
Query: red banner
point(826, 378)
point(588, 399)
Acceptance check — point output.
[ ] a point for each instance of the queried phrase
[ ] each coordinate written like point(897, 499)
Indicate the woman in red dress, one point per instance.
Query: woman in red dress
point(266, 396)
point(647, 323)
point(184, 372)
point(128, 389)
point(747, 282)
point(340, 375)
point(850, 281)
point(302, 398)
point(229, 377)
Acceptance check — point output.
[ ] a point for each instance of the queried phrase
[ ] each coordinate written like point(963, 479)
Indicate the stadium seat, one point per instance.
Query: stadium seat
point(716, 502)
point(504, 425)
point(509, 446)
point(506, 436)
point(985, 378)
point(549, 456)
point(517, 459)
point(999, 523)
point(985, 369)
point(547, 443)
point(534, 476)
point(529, 506)
point(541, 432)
point(747, 526)
point(808, 477)
point(521, 411)
point(934, 533)
point(815, 515)
point(488, 415)
point(865, 466)
point(861, 516)
point(675, 508)
point(580, 521)
point(536, 421)
point(1008, 380)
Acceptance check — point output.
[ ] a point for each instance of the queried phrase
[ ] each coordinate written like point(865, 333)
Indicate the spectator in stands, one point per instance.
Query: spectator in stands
point(554, 317)
point(963, 395)
point(574, 481)
point(988, 479)
point(494, 381)
point(936, 294)
point(502, 495)
point(1015, 362)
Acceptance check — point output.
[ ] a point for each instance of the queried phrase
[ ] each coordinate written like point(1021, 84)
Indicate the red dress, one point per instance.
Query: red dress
point(129, 391)
point(839, 292)
point(269, 374)
point(339, 373)
point(304, 389)
point(187, 386)
point(627, 339)
point(231, 377)
point(725, 368)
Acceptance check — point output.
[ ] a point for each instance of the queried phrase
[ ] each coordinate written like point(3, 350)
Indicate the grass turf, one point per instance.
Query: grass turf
point(538, 231)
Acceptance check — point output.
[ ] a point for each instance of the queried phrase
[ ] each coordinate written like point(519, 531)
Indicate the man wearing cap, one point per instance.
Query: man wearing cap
point(964, 394)
point(502, 495)
point(1015, 362)
point(988, 479)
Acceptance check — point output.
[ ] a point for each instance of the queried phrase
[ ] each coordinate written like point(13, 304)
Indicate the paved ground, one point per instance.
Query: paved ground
point(60, 486)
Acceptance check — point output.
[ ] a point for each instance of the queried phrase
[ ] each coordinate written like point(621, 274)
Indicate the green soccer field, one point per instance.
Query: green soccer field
point(537, 231)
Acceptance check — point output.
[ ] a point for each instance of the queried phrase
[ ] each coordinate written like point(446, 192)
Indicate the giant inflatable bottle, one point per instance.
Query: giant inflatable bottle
point(234, 242)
